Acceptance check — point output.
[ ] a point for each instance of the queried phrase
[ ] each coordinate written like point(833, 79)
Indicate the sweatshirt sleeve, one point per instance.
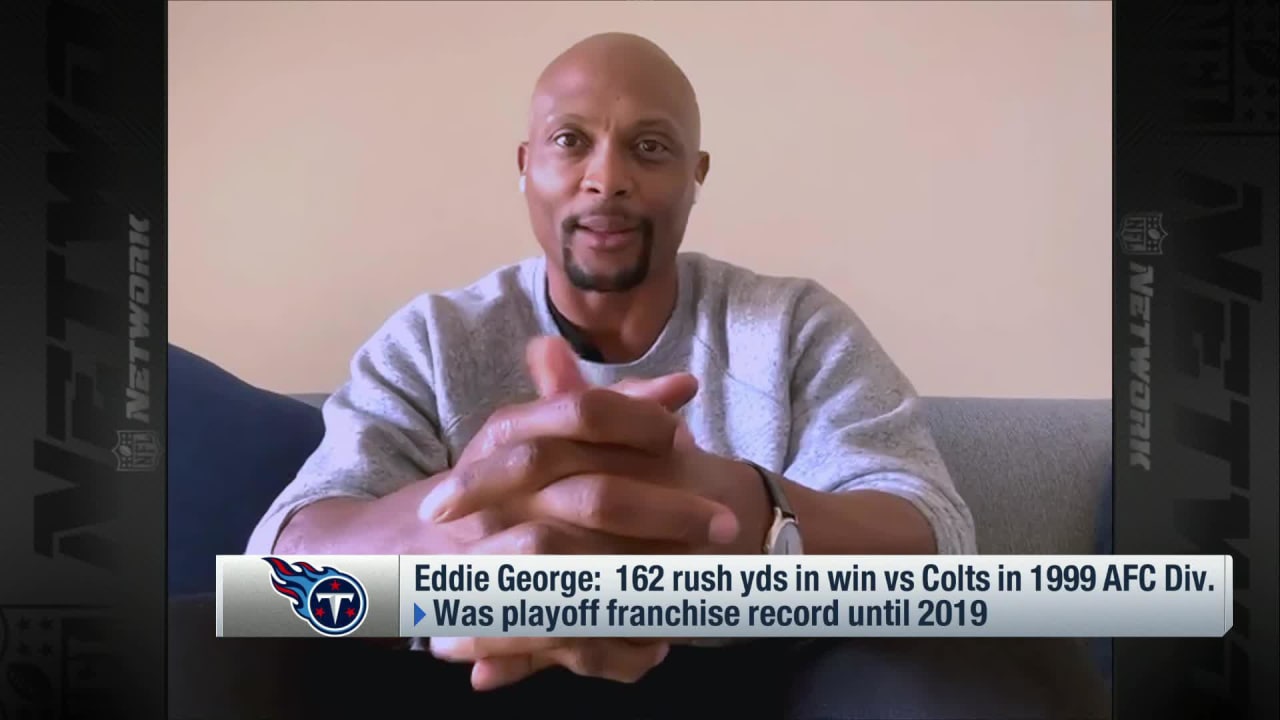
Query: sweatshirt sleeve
point(857, 423)
point(380, 428)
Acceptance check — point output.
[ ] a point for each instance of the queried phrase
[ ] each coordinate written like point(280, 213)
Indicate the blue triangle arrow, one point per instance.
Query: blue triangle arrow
point(418, 614)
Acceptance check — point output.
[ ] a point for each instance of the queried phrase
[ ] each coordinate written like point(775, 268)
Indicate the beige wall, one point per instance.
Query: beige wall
point(943, 167)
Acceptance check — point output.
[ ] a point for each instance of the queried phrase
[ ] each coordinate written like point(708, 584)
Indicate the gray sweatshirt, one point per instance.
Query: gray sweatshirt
point(789, 378)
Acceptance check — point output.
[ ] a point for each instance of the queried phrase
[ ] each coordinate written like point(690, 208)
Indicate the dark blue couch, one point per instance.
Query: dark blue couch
point(232, 448)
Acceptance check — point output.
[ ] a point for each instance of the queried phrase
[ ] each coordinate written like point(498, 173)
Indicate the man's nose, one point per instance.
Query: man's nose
point(607, 174)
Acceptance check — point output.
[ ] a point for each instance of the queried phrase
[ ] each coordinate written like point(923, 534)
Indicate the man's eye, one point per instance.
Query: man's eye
point(650, 147)
point(568, 140)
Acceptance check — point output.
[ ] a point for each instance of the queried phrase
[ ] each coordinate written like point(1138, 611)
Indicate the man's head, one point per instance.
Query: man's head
point(611, 161)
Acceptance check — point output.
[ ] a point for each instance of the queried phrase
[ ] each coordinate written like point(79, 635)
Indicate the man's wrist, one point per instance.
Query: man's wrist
point(754, 507)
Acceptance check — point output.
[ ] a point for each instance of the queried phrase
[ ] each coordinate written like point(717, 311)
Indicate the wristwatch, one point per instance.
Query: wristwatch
point(783, 537)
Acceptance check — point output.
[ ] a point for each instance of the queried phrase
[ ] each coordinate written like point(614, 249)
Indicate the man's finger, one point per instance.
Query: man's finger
point(595, 415)
point(631, 508)
point(614, 659)
point(553, 367)
point(471, 649)
point(544, 537)
point(474, 649)
point(496, 672)
point(523, 469)
point(610, 658)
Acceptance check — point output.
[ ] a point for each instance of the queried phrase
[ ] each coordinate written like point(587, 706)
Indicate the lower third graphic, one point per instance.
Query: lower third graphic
point(332, 602)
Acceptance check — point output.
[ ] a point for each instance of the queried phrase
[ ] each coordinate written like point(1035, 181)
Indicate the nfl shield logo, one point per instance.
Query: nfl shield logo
point(136, 450)
point(1142, 233)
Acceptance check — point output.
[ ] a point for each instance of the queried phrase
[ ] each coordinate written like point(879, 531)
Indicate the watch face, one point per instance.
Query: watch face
point(787, 541)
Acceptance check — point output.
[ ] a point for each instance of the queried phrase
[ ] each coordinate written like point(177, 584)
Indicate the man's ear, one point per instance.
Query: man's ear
point(522, 157)
point(704, 167)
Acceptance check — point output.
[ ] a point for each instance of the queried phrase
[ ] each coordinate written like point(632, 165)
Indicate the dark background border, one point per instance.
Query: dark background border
point(83, 285)
point(82, 147)
point(1196, 146)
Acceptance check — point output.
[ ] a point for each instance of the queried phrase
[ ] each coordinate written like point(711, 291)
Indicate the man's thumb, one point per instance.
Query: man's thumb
point(553, 366)
point(670, 391)
point(684, 437)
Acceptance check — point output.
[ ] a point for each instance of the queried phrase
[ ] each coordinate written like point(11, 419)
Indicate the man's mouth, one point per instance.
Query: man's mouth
point(607, 224)
point(607, 241)
point(605, 232)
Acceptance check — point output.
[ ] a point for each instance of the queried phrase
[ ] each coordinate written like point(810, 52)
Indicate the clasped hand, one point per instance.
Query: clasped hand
point(586, 470)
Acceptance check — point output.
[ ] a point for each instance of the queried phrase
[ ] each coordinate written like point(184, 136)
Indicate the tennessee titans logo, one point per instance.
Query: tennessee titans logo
point(332, 602)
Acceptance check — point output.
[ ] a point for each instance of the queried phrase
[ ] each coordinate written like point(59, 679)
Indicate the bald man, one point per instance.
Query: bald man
point(616, 395)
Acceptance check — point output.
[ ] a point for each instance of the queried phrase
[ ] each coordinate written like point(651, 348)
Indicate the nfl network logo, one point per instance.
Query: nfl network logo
point(136, 450)
point(332, 602)
point(1142, 233)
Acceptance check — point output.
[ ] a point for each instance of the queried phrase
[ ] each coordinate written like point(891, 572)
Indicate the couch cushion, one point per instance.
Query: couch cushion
point(231, 447)
point(1032, 470)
